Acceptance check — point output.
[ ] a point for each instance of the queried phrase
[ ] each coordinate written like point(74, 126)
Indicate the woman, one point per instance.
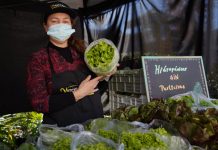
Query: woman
point(58, 82)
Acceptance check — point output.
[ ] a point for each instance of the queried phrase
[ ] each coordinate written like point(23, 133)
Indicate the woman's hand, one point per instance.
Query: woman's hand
point(86, 87)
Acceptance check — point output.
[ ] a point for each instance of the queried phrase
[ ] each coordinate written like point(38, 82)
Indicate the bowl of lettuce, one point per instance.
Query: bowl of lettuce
point(101, 56)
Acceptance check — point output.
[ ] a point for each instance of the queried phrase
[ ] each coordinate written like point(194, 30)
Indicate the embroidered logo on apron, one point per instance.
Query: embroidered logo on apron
point(67, 89)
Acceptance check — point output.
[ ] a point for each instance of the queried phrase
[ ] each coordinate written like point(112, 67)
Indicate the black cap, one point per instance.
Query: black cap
point(55, 7)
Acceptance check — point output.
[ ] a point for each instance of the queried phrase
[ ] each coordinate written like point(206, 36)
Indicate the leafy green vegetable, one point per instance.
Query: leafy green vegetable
point(62, 144)
point(54, 138)
point(200, 127)
point(138, 141)
point(153, 110)
point(98, 146)
point(101, 56)
point(109, 134)
point(160, 131)
point(131, 113)
point(188, 99)
point(15, 128)
point(119, 113)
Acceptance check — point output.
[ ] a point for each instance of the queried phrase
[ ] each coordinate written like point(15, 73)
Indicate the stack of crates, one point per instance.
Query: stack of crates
point(127, 87)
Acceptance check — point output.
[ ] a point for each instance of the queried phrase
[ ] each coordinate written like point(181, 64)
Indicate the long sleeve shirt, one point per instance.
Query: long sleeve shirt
point(39, 78)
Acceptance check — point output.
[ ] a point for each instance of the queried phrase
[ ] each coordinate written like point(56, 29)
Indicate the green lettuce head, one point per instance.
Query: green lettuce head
point(101, 56)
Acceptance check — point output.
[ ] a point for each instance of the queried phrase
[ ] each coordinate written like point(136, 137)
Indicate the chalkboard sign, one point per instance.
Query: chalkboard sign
point(166, 76)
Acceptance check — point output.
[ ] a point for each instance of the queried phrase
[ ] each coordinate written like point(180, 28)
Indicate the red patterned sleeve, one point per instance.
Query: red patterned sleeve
point(36, 85)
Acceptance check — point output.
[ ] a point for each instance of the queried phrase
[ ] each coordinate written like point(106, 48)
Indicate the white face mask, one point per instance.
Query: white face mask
point(60, 32)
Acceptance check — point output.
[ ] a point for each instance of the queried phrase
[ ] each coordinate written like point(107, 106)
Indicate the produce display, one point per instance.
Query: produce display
point(101, 56)
point(16, 128)
point(182, 122)
point(137, 135)
point(199, 126)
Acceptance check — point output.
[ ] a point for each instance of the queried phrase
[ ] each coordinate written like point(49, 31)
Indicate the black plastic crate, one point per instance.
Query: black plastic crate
point(130, 81)
point(117, 100)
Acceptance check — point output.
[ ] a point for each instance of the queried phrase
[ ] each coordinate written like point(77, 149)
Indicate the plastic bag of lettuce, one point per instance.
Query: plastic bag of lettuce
point(101, 56)
point(86, 140)
point(137, 135)
point(57, 138)
point(196, 101)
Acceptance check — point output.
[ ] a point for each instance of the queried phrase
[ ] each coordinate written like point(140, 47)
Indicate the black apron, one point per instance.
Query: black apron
point(89, 107)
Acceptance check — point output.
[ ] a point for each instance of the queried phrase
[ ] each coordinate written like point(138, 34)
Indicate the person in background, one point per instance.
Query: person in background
point(59, 84)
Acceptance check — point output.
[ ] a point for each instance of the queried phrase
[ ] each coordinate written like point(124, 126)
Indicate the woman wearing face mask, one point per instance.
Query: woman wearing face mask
point(58, 82)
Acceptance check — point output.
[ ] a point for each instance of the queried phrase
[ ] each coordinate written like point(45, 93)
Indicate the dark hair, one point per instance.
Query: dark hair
point(79, 45)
